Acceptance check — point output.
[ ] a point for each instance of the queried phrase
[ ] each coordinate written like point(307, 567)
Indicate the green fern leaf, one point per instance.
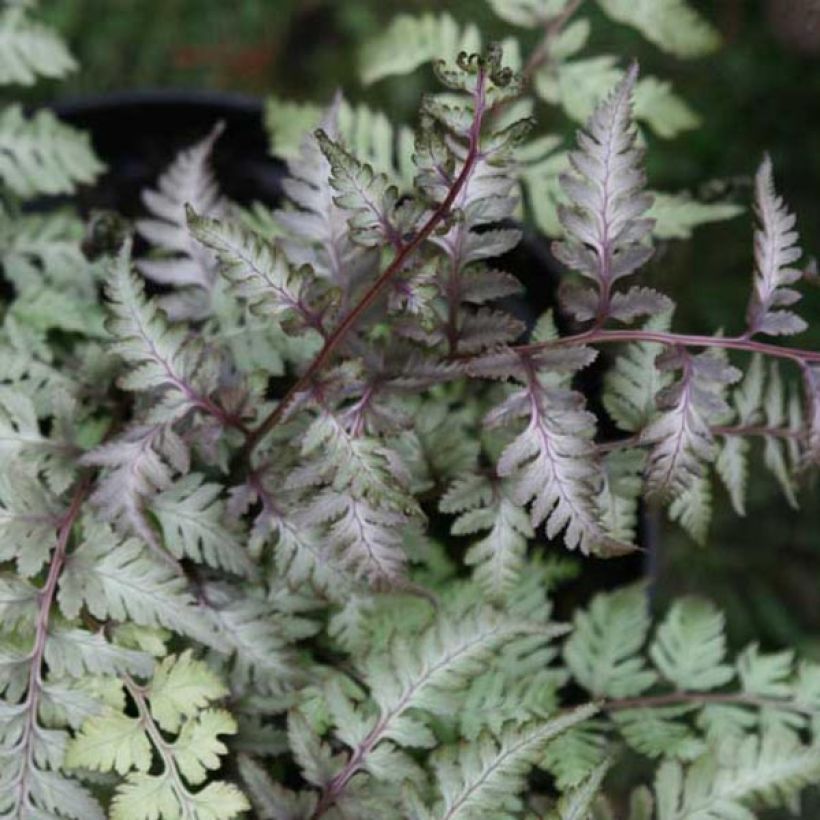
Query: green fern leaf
point(29, 49)
point(672, 25)
point(40, 155)
point(690, 646)
point(602, 652)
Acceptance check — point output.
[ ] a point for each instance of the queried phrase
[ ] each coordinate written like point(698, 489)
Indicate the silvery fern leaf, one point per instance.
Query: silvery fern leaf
point(75, 653)
point(483, 504)
point(603, 652)
point(139, 463)
point(23, 440)
point(272, 799)
point(189, 181)
point(144, 338)
point(120, 580)
point(299, 546)
point(367, 195)
point(42, 794)
point(425, 674)
point(577, 804)
point(621, 492)
point(681, 437)
point(672, 25)
point(258, 272)
point(41, 250)
point(766, 771)
point(43, 156)
point(28, 518)
point(255, 638)
point(776, 250)
point(194, 525)
point(574, 755)
point(606, 234)
point(554, 464)
point(482, 780)
point(29, 49)
point(314, 229)
point(362, 537)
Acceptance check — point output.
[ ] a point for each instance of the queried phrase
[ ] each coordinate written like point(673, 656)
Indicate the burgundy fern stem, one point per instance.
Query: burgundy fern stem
point(599, 336)
point(45, 601)
point(404, 252)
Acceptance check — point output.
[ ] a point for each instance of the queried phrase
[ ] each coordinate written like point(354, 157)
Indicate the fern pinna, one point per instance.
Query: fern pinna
point(216, 598)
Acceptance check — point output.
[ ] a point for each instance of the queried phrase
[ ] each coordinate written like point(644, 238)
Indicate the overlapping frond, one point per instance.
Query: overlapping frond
point(776, 251)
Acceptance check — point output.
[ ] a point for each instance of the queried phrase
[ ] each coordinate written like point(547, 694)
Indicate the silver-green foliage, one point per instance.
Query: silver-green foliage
point(214, 595)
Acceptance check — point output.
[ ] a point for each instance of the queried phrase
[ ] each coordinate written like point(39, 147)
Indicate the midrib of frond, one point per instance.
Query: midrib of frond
point(562, 484)
point(485, 639)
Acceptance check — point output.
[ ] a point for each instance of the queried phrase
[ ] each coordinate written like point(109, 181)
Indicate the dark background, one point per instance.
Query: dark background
point(761, 91)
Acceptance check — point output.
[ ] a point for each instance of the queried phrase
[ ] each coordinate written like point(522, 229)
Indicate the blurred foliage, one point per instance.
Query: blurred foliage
point(755, 94)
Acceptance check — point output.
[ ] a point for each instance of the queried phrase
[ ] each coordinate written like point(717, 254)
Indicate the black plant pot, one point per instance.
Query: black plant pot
point(137, 134)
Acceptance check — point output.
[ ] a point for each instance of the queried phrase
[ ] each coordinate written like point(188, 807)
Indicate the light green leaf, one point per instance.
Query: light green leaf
point(180, 688)
point(672, 25)
point(602, 652)
point(690, 646)
point(110, 741)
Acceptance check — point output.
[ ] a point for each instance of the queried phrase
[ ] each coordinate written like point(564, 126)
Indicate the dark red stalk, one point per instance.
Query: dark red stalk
point(403, 254)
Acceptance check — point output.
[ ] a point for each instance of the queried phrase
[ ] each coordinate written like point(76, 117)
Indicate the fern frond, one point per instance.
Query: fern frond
point(603, 650)
point(410, 42)
point(692, 508)
point(578, 803)
point(194, 525)
point(315, 228)
point(143, 337)
point(188, 182)
point(175, 701)
point(633, 381)
point(575, 754)
point(40, 155)
point(553, 463)
point(28, 516)
point(776, 250)
point(271, 799)
point(368, 195)
point(258, 273)
point(775, 409)
point(482, 780)
point(139, 463)
point(120, 580)
point(732, 460)
point(672, 25)
point(498, 557)
point(604, 227)
point(29, 49)
point(681, 437)
point(690, 646)
point(766, 771)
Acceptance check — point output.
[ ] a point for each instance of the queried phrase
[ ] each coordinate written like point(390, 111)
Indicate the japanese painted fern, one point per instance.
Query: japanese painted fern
point(220, 597)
